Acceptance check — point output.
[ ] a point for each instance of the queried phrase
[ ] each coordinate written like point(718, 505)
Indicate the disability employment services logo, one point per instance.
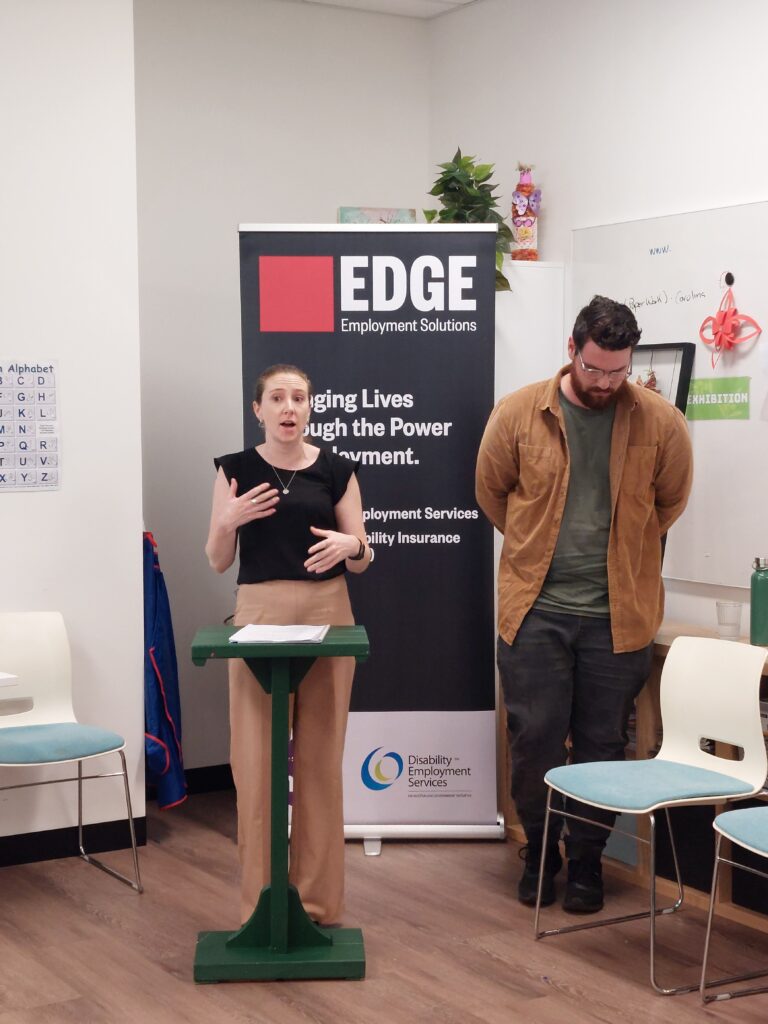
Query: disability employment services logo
point(380, 772)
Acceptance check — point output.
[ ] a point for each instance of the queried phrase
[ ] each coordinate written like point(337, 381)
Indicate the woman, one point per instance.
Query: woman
point(296, 512)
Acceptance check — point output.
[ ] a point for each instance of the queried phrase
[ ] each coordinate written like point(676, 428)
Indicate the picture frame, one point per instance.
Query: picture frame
point(669, 365)
point(376, 215)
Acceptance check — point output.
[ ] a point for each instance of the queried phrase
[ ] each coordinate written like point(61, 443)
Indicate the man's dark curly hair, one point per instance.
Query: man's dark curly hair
point(609, 324)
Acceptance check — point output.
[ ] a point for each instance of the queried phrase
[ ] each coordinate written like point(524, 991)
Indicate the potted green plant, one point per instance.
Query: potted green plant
point(466, 195)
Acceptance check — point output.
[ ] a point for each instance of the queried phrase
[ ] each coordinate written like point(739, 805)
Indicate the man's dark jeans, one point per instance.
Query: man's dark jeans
point(560, 677)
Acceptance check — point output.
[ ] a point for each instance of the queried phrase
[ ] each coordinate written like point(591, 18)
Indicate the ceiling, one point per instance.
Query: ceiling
point(407, 8)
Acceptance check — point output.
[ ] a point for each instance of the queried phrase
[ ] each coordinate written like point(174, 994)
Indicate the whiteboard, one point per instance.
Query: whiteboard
point(670, 271)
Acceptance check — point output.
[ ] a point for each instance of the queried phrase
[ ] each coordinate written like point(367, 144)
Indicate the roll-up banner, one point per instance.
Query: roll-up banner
point(394, 325)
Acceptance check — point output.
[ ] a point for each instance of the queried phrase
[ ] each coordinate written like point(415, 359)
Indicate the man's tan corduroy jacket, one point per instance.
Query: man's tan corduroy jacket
point(522, 482)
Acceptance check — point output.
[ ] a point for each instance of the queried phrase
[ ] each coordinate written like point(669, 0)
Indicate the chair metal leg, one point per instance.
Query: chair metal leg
point(619, 919)
point(651, 914)
point(717, 997)
point(712, 896)
point(654, 913)
point(134, 884)
point(676, 863)
point(536, 933)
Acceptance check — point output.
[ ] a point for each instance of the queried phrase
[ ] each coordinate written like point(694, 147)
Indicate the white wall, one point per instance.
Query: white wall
point(628, 110)
point(247, 111)
point(68, 266)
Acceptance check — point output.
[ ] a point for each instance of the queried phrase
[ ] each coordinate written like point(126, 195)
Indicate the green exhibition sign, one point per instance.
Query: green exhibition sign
point(726, 398)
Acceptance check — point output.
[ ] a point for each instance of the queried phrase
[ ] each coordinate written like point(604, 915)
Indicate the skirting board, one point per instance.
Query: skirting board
point(62, 842)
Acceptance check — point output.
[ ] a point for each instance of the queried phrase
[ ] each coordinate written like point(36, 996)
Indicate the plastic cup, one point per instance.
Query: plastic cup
point(729, 619)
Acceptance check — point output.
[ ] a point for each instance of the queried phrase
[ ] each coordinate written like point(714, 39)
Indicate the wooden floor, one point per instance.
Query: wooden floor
point(446, 942)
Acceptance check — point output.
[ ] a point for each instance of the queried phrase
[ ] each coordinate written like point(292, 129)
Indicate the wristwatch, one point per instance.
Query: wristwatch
point(360, 553)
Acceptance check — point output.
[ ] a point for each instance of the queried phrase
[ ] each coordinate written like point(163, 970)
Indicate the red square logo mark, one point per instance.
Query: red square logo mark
point(296, 293)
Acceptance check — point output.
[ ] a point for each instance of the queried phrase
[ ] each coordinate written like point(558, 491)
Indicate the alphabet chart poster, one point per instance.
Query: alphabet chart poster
point(30, 450)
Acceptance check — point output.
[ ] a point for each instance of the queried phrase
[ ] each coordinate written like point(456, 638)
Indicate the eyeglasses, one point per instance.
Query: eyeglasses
point(614, 376)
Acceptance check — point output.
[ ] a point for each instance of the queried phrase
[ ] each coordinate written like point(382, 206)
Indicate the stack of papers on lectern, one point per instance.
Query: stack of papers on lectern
point(279, 635)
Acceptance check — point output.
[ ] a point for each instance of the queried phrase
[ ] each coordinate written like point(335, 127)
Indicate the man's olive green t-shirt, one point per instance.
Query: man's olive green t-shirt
point(577, 580)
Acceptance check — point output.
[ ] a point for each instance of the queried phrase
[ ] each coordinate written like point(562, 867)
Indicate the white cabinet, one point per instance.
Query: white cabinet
point(530, 334)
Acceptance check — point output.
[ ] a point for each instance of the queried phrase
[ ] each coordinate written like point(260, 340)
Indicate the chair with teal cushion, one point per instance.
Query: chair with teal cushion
point(709, 691)
point(38, 727)
point(747, 828)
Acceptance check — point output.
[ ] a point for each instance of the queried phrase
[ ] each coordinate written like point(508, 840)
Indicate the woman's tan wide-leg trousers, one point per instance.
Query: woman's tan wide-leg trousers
point(319, 714)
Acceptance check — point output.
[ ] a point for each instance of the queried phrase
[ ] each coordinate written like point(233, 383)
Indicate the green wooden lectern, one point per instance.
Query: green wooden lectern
point(279, 941)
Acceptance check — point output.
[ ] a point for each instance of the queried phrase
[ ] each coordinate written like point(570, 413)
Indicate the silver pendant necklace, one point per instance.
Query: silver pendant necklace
point(285, 487)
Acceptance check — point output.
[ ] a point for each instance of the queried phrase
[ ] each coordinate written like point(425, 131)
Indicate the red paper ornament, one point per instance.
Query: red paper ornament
point(725, 329)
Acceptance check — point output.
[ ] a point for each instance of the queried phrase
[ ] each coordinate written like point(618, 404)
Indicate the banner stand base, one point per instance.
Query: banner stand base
point(372, 835)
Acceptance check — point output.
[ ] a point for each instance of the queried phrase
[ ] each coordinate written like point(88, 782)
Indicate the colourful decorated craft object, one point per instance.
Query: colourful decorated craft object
point(647, 380)
point(526, 202)
point(726, 328)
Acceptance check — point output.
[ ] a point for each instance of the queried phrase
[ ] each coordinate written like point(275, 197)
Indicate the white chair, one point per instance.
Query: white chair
point(37, 721)
point(747, 828)
point(709, 691)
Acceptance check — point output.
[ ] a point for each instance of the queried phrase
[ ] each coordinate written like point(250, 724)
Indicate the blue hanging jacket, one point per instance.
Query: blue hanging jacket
point(162, 707)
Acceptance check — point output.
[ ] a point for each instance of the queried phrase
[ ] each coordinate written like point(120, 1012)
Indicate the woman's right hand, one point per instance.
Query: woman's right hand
point(230, 511)
point(258, 503)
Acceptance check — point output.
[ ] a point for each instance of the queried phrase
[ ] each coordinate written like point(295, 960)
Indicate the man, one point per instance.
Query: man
point(583, 475)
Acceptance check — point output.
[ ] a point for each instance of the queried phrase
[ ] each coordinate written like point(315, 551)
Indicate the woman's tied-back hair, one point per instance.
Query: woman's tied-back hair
point(272, 371)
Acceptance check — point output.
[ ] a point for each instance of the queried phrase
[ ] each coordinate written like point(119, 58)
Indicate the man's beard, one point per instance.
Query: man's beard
point(593, 398)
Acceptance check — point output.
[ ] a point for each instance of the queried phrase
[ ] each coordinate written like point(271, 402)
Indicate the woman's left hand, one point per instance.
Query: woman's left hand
point(332, 549)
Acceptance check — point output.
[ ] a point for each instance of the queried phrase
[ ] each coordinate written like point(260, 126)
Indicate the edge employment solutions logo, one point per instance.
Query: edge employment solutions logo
point(296, 293)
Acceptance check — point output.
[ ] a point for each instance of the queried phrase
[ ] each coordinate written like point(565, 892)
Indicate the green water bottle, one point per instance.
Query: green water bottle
point(758, 611)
